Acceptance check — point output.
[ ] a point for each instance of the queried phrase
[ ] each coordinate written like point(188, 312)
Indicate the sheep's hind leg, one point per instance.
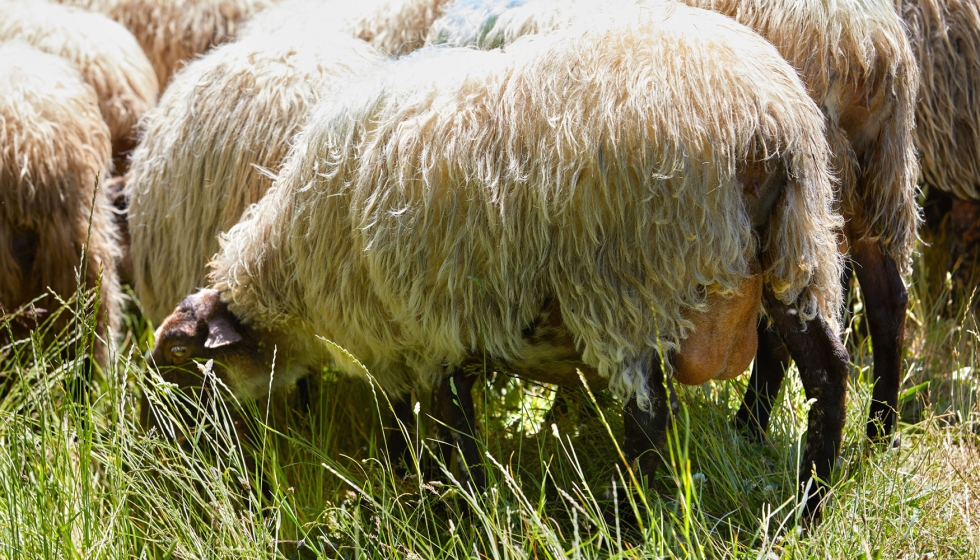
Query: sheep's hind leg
point(454, 408)
point(771, 361)
point(822, 361)
point(886, 301)
point(397, 434)
point(645, 432)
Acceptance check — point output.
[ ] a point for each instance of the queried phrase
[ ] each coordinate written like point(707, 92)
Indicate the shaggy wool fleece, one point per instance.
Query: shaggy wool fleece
point(853, 56)
point(946, 37)
point(430, 211)
point(106, 54)
point(172, 32)
point(210, 148)
point(54, 146)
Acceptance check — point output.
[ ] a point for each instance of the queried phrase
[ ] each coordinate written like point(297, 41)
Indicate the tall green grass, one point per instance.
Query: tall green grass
point(80, 479)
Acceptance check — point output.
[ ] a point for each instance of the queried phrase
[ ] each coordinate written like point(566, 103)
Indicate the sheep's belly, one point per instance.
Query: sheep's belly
point(721, 346)
point(550, 355)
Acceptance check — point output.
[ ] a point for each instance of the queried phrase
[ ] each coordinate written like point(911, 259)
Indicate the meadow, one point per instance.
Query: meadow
point(289, 477)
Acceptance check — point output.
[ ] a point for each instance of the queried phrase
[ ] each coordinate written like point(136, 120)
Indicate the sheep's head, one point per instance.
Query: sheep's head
point(202, 328)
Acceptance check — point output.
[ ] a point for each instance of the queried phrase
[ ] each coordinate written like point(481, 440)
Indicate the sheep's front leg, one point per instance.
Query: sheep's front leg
point(886, 301)
point(822, 361)
point(771, 361)
point(454, 408)
point(645, 432)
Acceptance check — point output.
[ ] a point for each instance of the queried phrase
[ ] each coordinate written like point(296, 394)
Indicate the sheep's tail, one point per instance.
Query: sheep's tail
point(800, 257)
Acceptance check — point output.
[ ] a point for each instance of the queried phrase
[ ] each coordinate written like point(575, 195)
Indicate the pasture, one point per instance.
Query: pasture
point(79, 478)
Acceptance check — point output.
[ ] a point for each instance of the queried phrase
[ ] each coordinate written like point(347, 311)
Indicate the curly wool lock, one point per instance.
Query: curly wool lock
point(430, 212)
point(106, 54)
point(172, 32)
point(224, 119)
point(946, 37)
point(855, 62)
point(396, 27)
point(54, 146)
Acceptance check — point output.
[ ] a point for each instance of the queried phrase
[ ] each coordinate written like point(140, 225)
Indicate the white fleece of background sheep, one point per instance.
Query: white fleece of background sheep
point(54, 145)
point(223, 125)
point(105, 52)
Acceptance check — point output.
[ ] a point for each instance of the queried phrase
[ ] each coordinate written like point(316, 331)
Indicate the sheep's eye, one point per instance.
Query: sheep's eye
point(178, 351)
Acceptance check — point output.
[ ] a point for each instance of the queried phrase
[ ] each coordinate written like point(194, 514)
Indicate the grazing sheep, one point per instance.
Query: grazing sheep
point(396, 27)
point(858, 67)
point(224, 119)
point(106, 54)
point(54, 146)
point(173, 32)
point(946, 37)
point(561, 192)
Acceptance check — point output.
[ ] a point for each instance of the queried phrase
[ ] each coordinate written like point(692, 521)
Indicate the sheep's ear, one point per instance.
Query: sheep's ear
point(221, 333)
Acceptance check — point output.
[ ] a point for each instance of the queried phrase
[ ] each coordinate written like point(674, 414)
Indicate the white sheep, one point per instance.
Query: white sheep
point(54, 146)
point(457, 200)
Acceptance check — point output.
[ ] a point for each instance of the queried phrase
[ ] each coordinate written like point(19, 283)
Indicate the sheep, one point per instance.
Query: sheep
point(451, 204)
point(106, 54)
point(54, 147)
point(858, 67)
point(396, 27)
point(224, 119)
point(946, 37)
point(172, 32)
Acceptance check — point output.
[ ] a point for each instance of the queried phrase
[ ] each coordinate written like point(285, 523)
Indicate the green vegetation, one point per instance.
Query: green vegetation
point(80, 479)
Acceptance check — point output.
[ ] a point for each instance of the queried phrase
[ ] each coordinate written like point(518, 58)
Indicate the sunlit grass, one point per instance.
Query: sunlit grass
point(79, 478)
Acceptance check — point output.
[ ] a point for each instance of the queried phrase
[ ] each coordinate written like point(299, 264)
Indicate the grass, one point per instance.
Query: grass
point(80, 479)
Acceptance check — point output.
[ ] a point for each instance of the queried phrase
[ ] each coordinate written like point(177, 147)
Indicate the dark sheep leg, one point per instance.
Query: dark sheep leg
point(823, 364)
point(645, 433)
point(396, 435)
point(886, 301)
point(771, 362)
point(455, 409)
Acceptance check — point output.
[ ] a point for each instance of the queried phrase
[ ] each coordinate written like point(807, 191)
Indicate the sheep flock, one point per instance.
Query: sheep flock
point(629, 193)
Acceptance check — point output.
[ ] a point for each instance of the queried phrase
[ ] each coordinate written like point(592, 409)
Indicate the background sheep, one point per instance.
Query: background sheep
point(104, 52)
point(396, 27)
point(172, 32)
point(54, 146)
point(946, 37)
point(434, 212)
point(224, 123)
point(857, 65)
